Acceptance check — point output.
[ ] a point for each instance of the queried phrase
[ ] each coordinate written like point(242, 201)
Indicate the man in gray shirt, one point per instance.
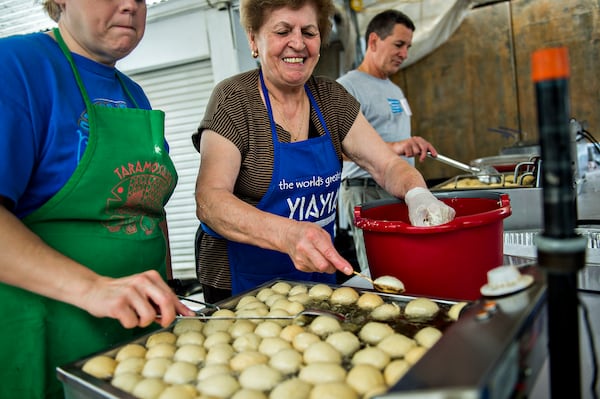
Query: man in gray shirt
point(388, 38)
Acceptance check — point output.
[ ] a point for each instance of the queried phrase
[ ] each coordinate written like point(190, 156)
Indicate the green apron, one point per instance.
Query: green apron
point(107, 218)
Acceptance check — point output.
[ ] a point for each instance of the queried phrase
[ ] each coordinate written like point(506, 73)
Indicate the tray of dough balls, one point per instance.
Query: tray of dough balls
point(319, 356)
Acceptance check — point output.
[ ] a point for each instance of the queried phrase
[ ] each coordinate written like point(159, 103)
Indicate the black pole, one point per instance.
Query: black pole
point(561, 252)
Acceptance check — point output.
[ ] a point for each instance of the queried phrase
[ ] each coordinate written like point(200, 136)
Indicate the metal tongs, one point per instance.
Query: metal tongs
point(486, 174)
point(305, 312)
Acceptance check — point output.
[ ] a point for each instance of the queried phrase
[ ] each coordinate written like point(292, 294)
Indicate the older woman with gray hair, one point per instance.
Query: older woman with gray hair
point(84, 252)
point(271, 144)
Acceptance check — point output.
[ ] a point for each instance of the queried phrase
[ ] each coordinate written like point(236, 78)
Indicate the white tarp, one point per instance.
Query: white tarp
point(435, 21)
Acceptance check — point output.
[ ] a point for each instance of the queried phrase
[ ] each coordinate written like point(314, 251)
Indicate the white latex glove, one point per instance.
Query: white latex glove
point(424, 209)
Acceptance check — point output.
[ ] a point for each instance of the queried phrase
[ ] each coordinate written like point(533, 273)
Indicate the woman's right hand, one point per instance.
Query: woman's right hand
point(311, 249)
point(135, 300)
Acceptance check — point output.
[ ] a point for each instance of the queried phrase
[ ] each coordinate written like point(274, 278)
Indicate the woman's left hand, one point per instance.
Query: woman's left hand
point(414, 146)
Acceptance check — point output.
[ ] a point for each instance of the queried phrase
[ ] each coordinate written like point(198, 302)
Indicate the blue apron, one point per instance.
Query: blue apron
point(304, 186)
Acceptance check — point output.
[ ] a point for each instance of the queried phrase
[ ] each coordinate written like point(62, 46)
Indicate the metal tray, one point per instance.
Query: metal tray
point(80, 385)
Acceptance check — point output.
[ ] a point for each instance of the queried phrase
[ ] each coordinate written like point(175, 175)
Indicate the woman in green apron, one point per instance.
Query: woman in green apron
point(86, 175)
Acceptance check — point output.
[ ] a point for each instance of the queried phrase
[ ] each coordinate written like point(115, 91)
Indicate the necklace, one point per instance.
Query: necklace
point(296, 132)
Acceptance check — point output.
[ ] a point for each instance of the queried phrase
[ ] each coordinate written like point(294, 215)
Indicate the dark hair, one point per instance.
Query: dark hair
point(383, 23)
point(253, 13)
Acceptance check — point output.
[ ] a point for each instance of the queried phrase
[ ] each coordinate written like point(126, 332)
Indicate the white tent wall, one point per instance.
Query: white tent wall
point(188, 47)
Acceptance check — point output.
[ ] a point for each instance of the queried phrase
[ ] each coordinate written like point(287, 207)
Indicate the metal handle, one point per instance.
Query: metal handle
point(452, 162)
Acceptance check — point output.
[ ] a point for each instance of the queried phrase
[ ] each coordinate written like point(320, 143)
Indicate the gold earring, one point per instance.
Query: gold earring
point(254, 53)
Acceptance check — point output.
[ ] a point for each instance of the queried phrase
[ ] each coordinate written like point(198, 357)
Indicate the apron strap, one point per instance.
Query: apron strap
point(84, 94)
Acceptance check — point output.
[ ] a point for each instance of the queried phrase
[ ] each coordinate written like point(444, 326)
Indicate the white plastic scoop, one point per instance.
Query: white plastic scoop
point(387, 284)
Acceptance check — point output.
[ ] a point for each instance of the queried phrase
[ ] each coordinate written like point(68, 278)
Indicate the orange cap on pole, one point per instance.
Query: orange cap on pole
point(550, 63)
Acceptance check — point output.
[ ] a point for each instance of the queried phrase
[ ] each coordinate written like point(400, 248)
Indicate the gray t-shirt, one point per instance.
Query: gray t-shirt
point(384, 105)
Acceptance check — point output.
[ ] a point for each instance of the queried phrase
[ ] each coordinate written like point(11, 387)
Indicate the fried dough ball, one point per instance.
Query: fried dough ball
point(247, 342)
point(241, 327)
point(156, 367)
point(130, 365)
point(302, 298)
point(212, 370)
point(283, 314)
point(257, 310)
point(344, 296)
point(272, 299)
point(164, 337)
point(243, 360)
point(260, 377)
point(223, 313)
point(293, 388)
point(245, 300)
point(179, 392)
point(271, 345)
point(324, 325)
point(455, 309)
point(294, 308)
point(344, 341)
point(163, 349)
point(364, 378)
point(126, 381)
point(288, 361)
point(298, 289)
point(304, 340)
point(375, 392)
point(395, 370)
point(320, 292)
point(190, 353)
point(268, 328)
point(180, 373)
point(415, 354)
point(249, 394)
point(264, 293)
point(320, 373)
point(218, 337)
point(386, 311)
point(375, 331)
point(396, 345)
point(100, 366)
point(289, 332)
point(149, 388)
point(371, 355)
point(219, 354)
point(281, 287)
point(321, 352)
point(215, 325)
point(190, 338)
point(421, 308)
point(281, 303)
point(185, 325)
point(428, 336)
point(369, 301)
point(218, 386)
point(333, 390)
point(130, 350)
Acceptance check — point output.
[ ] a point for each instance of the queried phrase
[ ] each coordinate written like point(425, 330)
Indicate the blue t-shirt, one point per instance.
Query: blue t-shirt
point(43, 117)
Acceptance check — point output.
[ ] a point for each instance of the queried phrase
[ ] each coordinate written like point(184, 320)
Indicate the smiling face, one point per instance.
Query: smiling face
point(288, 45)
point(390, 53)
point(102, 30)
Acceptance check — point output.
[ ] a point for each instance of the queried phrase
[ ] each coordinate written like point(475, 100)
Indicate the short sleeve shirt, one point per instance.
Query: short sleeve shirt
point(236, 111)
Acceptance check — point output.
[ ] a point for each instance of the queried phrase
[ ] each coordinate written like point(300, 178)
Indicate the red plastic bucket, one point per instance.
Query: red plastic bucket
point(447, 261)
